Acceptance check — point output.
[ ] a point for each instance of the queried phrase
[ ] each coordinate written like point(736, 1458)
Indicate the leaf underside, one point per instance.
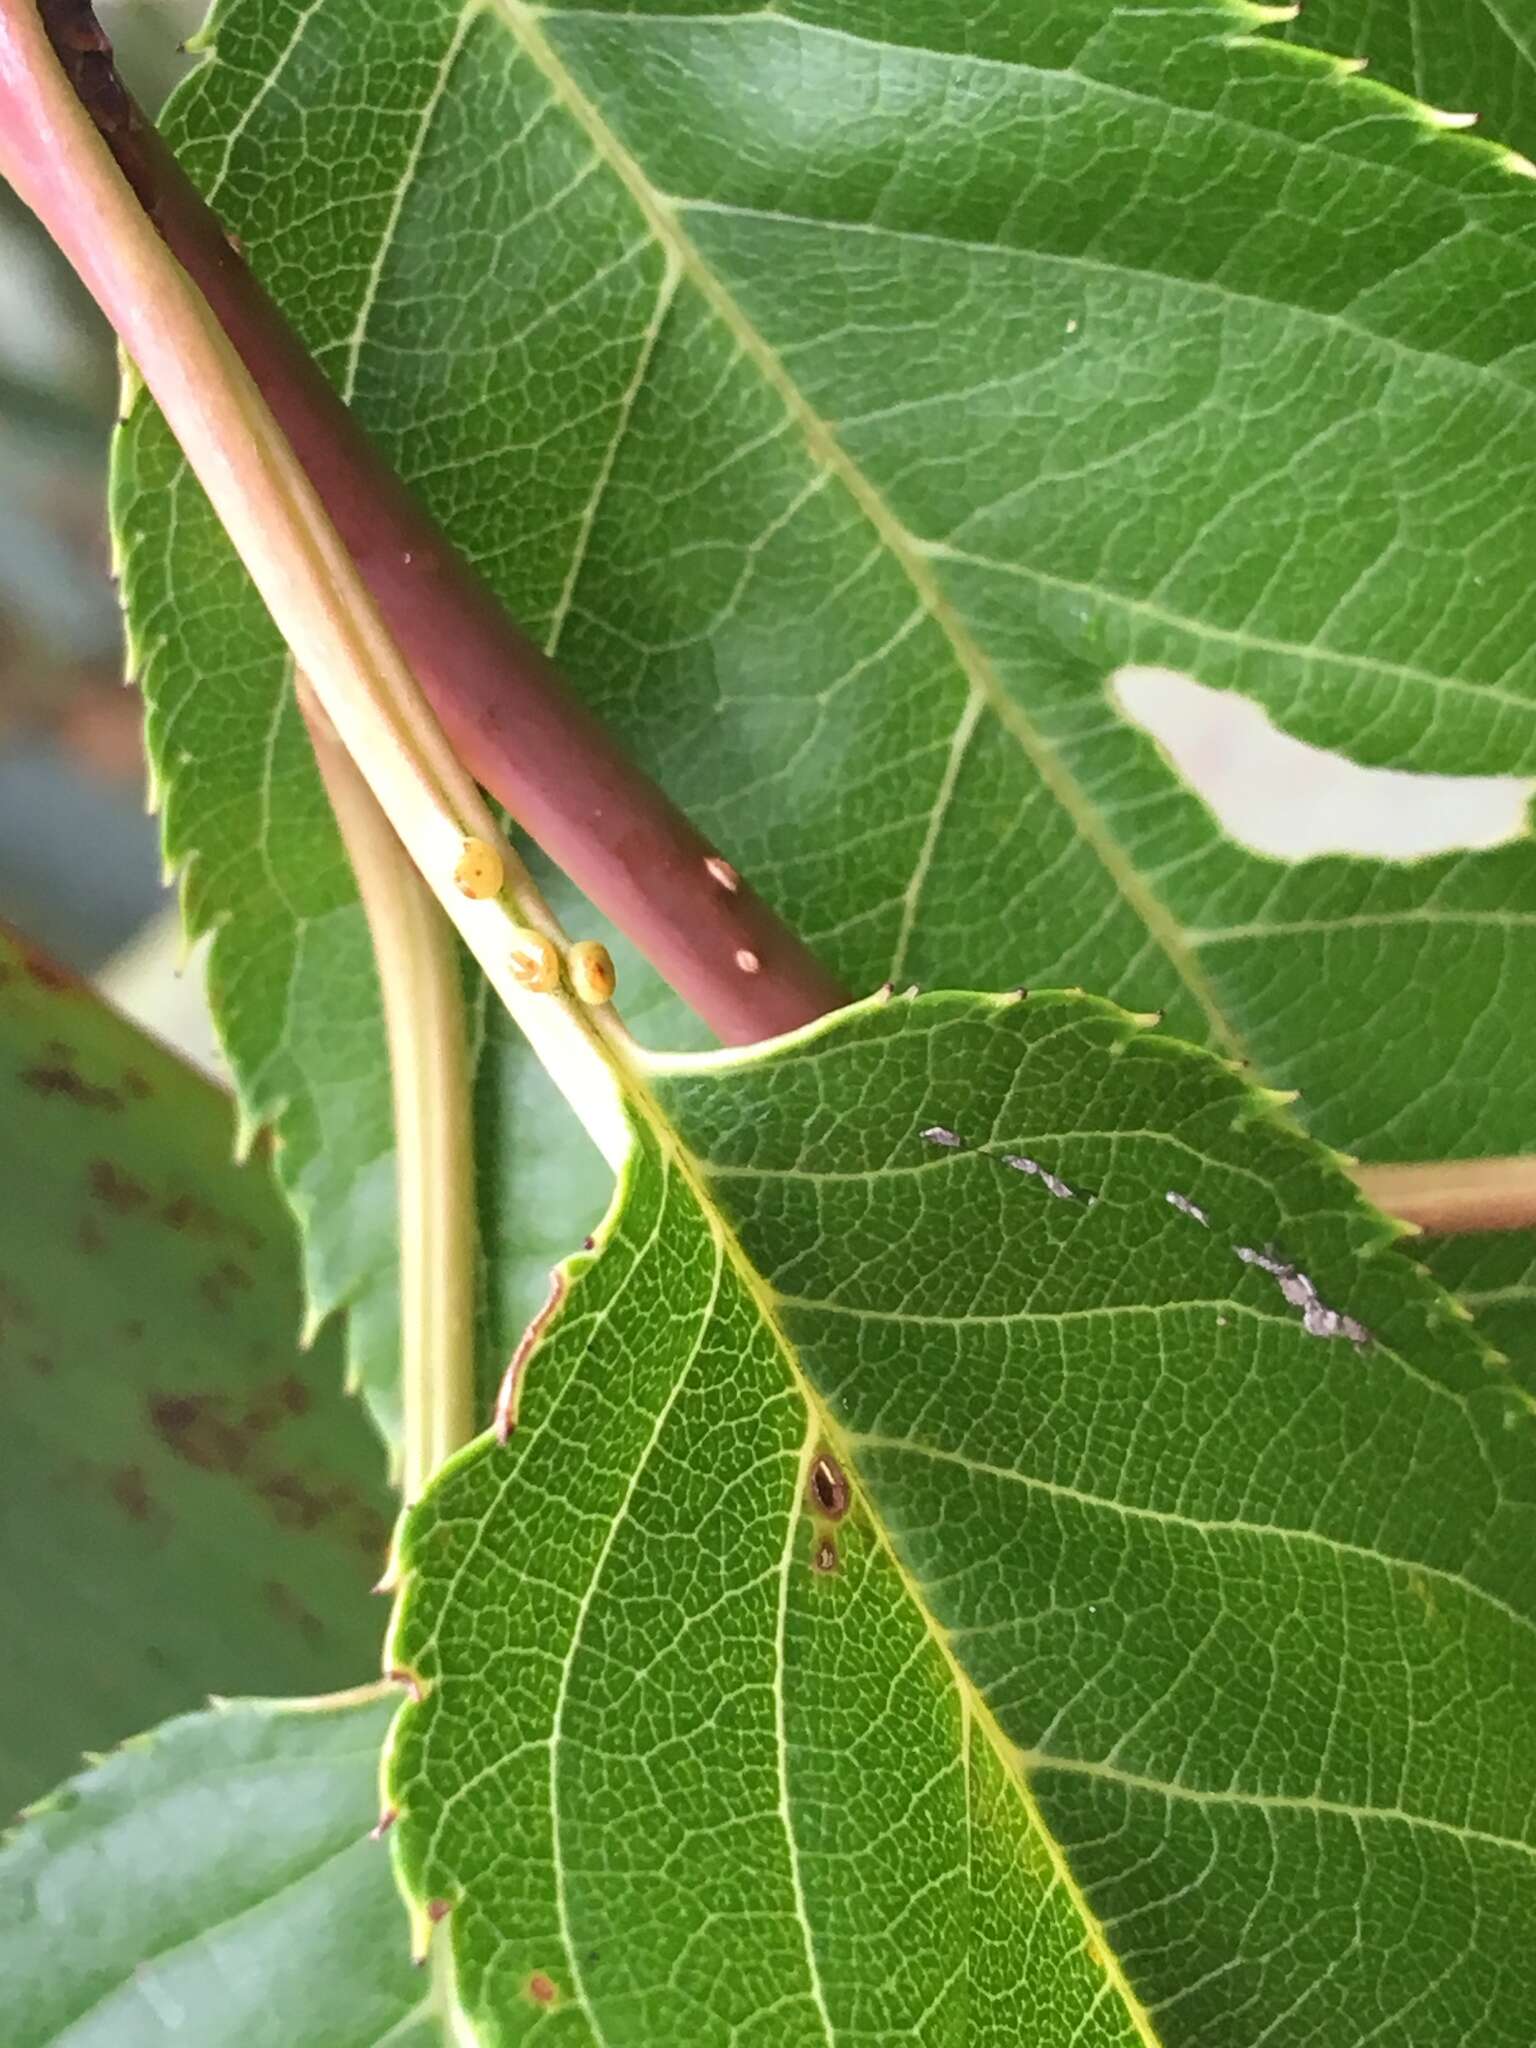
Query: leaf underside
point(190, 1503)
point(845, 392)
point(212, 1883)
point(1494, 1275)
point(1467, 56)
point(1175, 1678)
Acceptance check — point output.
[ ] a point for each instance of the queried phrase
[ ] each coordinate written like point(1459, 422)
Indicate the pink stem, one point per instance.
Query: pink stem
point(507, 711)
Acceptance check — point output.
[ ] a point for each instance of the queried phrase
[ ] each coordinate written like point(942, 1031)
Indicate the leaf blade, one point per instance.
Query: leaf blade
point(193, 1503)
point(221, 1869)
point(1273, 564)
point(1218, 1586)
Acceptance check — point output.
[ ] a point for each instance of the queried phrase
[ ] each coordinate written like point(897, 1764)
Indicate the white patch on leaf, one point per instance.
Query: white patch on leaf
point(1286, 799)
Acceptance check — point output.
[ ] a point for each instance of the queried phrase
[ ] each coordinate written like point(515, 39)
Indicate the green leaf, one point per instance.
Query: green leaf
point(1175, 1679)
point(191, 1503)
point(212, 1883)
point(1494, 1275)
point(845, 395)
point(1466, 56)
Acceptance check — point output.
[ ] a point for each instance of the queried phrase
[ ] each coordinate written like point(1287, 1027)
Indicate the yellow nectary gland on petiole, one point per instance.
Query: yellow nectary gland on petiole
point(479, 873)
point(535, 962)
point(591, 970)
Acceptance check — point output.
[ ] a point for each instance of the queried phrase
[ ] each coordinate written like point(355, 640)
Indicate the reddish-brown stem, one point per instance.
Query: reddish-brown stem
point(509, 714)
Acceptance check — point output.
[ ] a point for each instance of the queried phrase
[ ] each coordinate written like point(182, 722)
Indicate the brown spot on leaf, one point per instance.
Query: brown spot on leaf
point(293, 1504)
point(824, 1558)
point(198, 1429)
point(186, 1214)
point(126, 1486)
point(14, 1307)
point(47, 973)
point(827, 1487)
point(541, 1989)
point(134, 1084)
point(272, 1405)
point(371, 1535)
point(90, 1238)
point(114, 1189)
point(61, 1078)
point(288, 1607)
point(219, 1287)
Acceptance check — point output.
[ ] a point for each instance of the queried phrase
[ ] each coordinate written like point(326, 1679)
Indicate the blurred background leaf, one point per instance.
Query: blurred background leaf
point(189, 1503)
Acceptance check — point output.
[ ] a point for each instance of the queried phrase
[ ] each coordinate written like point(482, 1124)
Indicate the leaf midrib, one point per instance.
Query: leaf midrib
point(974, 666)
point(825, 1429)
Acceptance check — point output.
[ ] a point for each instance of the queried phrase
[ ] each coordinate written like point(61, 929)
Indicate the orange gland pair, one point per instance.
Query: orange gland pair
point(535, 964)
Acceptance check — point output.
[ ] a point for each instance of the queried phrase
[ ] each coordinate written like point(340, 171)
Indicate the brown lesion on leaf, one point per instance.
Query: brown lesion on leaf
point(824, 1558)
point(221, 1435)
point(45, 973)
point(282, 1601)
point(15, 1308)
point(201, 1430)
point(90, 1238)
point(128, 1487)
point(293, 1504)
point(543, 1990)
point(220, 1286)
point(115, 1188)
point(827, 1490)
point(190, 1217)
point(58, 1075)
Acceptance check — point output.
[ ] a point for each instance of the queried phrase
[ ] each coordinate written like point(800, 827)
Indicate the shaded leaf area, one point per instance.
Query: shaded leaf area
point(1145, 1663)
point(189, 1502)
point(1465, 56)
point(212, 1882)
point(1494, 1275)
point(844, 397)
